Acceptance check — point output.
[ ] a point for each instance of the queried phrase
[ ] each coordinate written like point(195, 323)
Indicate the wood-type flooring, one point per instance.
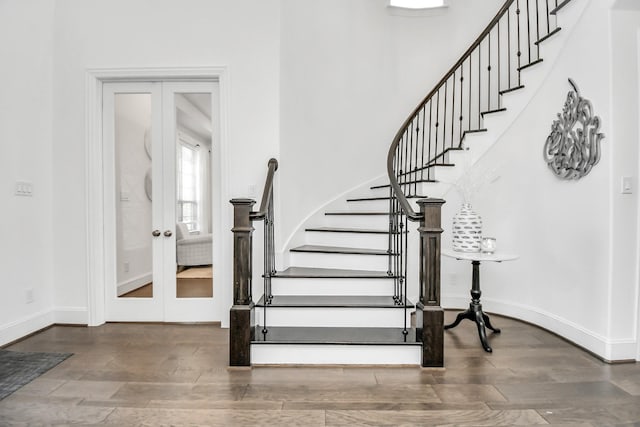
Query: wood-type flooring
point(152, 375)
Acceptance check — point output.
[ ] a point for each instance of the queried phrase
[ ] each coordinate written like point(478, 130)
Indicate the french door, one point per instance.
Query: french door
point(160, 200)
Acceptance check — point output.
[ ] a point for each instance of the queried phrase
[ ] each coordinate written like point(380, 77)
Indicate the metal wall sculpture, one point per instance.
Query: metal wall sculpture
point(573, 146)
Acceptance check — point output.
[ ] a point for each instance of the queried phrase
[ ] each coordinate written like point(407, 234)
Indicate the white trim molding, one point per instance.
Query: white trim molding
point(94, 80)
point(607, 349)
point(24, 326)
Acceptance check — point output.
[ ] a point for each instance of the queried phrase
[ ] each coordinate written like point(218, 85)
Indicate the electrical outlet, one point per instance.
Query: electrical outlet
point(28, 296)
point(126, 266)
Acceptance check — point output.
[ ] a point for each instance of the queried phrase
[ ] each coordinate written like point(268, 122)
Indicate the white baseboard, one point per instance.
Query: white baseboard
point(71, 315)
point(29, 324)
point(606, 349)
point(135, 283)
point(22, 327)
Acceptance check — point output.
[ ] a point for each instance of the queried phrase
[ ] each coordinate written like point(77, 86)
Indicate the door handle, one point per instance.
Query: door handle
point(168, 233)
point(155, 233)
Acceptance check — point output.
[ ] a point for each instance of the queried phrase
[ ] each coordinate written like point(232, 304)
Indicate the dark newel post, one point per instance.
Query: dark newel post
point(429, 313)
point(241, 316)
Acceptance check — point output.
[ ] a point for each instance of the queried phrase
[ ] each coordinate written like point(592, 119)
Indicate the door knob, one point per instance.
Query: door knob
point(168, 233)
point(155, 233)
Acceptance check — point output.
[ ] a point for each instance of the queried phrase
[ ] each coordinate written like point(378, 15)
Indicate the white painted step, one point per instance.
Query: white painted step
point(318, 354)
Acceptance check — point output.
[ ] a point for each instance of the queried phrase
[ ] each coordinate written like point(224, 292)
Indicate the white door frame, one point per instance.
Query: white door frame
point(96, 268)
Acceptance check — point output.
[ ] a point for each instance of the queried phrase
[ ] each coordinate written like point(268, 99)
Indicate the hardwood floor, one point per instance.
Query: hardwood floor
point(141, 374)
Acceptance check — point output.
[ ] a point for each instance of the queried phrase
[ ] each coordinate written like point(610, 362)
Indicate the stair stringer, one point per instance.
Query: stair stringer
point(533, 78)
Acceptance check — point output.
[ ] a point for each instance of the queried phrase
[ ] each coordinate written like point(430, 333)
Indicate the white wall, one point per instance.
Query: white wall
point(25, 155)
point(242, 35)
point(351, 72)
point(625, 255)
point(577, 274)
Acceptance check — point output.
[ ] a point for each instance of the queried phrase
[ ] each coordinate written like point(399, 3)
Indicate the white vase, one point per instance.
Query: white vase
point(467, 230)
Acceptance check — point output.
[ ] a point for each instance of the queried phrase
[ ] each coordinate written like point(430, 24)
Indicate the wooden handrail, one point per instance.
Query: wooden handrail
point(267, 194)
point(397, 191)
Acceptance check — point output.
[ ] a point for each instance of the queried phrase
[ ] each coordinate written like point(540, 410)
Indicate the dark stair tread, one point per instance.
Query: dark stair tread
point(366, 213)
point(471, 131)
point(330, 273)
point(548, 36)
point(498, 110)
point(560, 6)
point(342, 336)
point(339, 250)
point(333, 301)
point(404, 183)
point(511, 89)
point(427, 166)
point(370, 199)
point(530, 64)
point(347, 230)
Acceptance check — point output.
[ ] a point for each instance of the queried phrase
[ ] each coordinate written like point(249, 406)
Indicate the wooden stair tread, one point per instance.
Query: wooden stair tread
point(330, 273)
point(335, 301)
point(347, 230)
point(403, 183)
point(339, 336)
point(339, 250)
point(370, 199)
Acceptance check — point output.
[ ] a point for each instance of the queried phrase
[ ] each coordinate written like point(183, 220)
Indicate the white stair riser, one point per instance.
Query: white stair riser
point(353, 240)
point(340, 261)
point(316, 354)
point(375, 222)
point(368, 205)
point(334, 317)
point(375, 287)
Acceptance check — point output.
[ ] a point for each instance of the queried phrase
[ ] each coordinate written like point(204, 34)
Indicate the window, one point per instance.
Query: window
point(188, 186)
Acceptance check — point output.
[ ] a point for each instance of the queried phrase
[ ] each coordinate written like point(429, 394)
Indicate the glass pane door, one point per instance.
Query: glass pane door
point(159, 201)
point(188, 145)
point(133, 163)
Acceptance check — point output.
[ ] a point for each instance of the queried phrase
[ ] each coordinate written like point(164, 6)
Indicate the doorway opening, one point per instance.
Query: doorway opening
point(161, 182)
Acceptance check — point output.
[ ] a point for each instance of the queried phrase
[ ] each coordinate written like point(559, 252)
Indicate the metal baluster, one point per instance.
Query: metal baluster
point(461, 103)
point(403, 299)
point(537, 29)
point(499, 66)
point(528, 33)
point(453, 107)
point(548, 23)
point(519, 50)
point(265, 293)
point(430, 121)
point(437, 120)
point(470, 88)
point(479, 84)
point(414, 151)
point(422, 144)
point(390, 237)
point(489, 75)
point(444, 120)
point(509, 48)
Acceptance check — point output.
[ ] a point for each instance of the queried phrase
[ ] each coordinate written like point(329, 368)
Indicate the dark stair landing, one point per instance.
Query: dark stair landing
point(342, 336)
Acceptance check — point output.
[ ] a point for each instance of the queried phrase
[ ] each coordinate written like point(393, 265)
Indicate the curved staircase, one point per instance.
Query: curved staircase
point(357, 277)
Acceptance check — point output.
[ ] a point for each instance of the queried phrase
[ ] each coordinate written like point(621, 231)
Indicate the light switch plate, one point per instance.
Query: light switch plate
point(626, 185)
point(24, 188)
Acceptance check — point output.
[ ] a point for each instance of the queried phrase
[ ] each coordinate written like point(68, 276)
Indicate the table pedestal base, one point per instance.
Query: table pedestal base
point(474, 312)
